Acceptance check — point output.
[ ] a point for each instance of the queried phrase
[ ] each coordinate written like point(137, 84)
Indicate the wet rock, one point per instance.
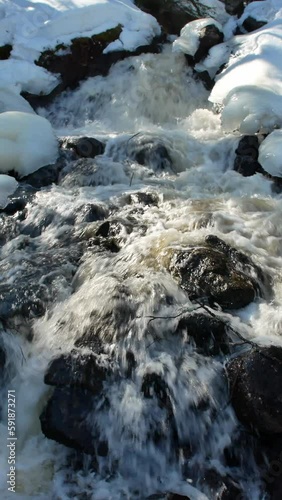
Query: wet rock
point(255, 385)
point(114, 227)
point(45, 176)
point(247, 166)
point(141, 198)
point(5, 51)
point(87, 371)
point(91, 212)
point(247, 155)
point(18, 201)
point(78, 379)
point(21, 301)
point(149, 151)
point(218, 273)
point(248, 146)
point(85, 147)
point(65, 418)
point(208, 332)
point(172, 14)
point(35, 229)
point(41, 279)
point(251, 24)
point(112, 234)
point(100, 171)
point(164, 426)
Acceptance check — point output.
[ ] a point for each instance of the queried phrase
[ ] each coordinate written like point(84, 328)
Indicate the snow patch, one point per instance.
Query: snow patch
point(27, 143)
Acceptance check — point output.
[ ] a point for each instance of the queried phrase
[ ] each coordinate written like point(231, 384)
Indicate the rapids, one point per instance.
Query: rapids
point(149, 97)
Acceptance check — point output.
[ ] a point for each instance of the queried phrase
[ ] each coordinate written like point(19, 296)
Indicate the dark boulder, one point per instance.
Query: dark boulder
point(209, 37)
point(85, 147)
point(209, 333)
point(86, 371)
point(64, 419)
point(5, 51)
point(255, 386)
point(172, 14)
point(248, 145)
point(218, 273)
point(251, 24)
point(247, 166)
point(78, 380)
point(246, 159)
point(45, 176)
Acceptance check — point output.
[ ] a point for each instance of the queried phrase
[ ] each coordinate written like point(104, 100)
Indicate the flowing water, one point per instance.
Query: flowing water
point(145, 98)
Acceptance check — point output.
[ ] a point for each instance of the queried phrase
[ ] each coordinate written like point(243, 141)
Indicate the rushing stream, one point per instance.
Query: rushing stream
point(188, 195)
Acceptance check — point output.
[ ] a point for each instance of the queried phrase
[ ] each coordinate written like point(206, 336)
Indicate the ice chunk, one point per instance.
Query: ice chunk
point(8, 186)
point(270, 153)
point(27, 142)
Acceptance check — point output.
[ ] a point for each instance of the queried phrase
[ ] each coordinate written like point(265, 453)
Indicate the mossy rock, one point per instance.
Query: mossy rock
point(5, 51)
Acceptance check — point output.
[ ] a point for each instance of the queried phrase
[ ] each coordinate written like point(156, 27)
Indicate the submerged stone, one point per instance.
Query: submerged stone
point(86, 371)
point(209, 333)
point(64, 419)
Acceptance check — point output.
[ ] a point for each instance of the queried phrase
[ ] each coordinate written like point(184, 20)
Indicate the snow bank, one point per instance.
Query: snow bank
point(27, 143)
point(11, 100)
point(270, 153)
point(267, 10)
point(189, 40)
point(8, 186)
point(33, 26)
point(250, 88)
